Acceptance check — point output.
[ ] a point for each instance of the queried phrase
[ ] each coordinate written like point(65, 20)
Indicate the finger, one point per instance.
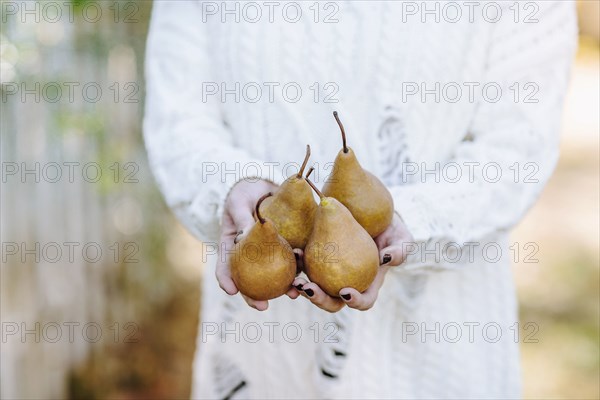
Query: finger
point(385, 238)
point(299, 283)
point(394, 233)
point(260, 305)
point(228, 228)
point(222, 272)
point(242, 220)
point(238, 236)
point(230, 235)
point(365, 300)
point(316, 295)
point(293, 293)
point(241, 216)
point(224, 279)
point(392, 255)
point(359, 301)
point(321, 299)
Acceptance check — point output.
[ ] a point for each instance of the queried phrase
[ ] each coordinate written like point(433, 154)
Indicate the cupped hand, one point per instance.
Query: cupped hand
point(391, 253)
point(236, 222)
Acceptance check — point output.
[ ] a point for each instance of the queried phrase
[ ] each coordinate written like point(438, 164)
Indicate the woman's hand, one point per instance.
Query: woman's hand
point(237, 220)
point(391, 254)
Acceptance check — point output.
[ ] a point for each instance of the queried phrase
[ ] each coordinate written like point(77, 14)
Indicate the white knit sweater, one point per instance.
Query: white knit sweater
point(444, 323)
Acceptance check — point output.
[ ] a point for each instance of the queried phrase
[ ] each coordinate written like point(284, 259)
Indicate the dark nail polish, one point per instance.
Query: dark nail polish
point(309, 292)
point(297, 256)
point(299, 287)
point(347, 297)
point(387, 258)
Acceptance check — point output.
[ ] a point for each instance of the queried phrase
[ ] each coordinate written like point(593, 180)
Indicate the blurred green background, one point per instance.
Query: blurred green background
point(158, 288)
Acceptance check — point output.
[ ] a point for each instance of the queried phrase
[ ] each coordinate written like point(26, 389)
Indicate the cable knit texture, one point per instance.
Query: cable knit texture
point(443, 325)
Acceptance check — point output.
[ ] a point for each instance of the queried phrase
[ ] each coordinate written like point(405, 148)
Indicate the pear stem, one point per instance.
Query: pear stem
point(306, 157)
point(258, 216)
point(335, 114)
point(312, 185)
point(310, 171)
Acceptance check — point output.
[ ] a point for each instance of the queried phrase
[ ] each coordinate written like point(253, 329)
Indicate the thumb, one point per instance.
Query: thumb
point(241, 216)
point(392, 255)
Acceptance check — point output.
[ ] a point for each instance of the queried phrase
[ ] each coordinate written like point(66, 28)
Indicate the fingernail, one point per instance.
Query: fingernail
point(236, 239)
point(309, 292)
point(387, 258)
point(297, 256)
point(347, 297)
point(299, 287)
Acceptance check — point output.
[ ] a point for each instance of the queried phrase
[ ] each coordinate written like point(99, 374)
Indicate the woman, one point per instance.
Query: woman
point(455, 107)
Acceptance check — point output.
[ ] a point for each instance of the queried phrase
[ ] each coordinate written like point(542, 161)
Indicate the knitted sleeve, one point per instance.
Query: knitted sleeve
point(512, 145)
point(192, 153)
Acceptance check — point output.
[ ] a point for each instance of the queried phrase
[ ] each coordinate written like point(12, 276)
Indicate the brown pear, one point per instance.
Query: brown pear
point(340, 253)
point(263, 265)
point(292, 208)
point(361, 192)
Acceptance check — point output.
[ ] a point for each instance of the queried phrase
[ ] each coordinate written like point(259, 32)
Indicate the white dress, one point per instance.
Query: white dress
point(444, 323)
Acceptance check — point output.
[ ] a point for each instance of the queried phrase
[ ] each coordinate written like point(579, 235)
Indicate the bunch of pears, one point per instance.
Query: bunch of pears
point(336, 234)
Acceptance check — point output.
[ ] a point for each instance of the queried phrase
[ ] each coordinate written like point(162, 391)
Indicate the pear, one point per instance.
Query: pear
point(263, 265)
point(292, 208)
point(361, 192)
point(340, 253)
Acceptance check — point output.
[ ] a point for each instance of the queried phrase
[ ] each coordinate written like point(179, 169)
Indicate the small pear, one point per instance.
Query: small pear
point(263, 265)
point(361, 192)
point(340, 253)
point(292, 208)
